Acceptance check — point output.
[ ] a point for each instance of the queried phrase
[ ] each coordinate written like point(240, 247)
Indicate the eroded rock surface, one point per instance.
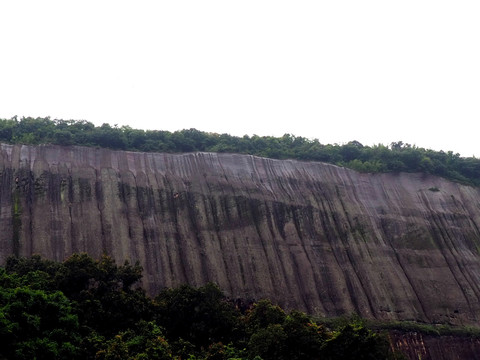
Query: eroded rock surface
point(308, 235)
point(415, 345)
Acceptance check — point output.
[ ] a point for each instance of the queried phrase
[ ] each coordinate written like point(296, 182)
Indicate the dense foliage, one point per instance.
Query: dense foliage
point(90, 309)
point(379, 158)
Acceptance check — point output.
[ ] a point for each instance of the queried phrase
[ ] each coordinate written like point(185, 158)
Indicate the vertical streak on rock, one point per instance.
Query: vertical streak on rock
point(180, 249)
point(99, 201)
point(244, 284)
point(7, 213)
point(449, 249)
point(28, 215)
point(224, 273)
point(384, 246)
point(411, 283)
point(72, 232)
point(413, 290)
point(16, 222)
point(340, 302)
point(334, 234)
point(327, 292)
point(351, 258)
point(300, 282)
point(242, 249)
point(446, 250)
point(157, 252)
point(165, 252)
point(200, 264)
point(262, 263)
point(281, 278)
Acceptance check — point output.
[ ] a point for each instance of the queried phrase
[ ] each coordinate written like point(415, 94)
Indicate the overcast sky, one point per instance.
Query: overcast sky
point(371, 71)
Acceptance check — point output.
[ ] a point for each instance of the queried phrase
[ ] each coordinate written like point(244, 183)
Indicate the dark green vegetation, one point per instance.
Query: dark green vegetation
point(380, 158)
point(88, 309)
point(404, 326)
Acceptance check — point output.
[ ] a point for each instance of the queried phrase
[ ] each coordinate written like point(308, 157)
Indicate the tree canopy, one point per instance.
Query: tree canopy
point(90, 309)
point(394, 157)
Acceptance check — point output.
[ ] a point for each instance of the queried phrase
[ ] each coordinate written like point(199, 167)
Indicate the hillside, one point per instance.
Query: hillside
point(308, 235)
point(395, 157)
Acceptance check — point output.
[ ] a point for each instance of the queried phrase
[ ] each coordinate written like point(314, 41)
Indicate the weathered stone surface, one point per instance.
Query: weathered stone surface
point(416, 345)
point(313, 236)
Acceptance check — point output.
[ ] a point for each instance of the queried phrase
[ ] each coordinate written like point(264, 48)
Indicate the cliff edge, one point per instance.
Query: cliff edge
point(312, 236)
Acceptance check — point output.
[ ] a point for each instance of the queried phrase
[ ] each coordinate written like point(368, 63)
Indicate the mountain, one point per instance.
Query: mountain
point(308, 235)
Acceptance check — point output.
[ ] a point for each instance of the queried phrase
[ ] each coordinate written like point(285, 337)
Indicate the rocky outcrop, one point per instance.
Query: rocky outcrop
point(415, 345)
point(312, 236)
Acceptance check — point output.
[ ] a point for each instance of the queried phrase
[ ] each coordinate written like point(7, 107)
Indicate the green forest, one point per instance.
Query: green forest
point(395, 157)
point(94, 309)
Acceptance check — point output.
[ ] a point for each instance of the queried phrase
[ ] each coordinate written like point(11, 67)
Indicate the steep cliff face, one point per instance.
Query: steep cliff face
point(312, 236)
point(430, 347)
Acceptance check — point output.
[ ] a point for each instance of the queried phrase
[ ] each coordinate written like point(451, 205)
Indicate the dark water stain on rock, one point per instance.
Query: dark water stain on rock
point(308, 235)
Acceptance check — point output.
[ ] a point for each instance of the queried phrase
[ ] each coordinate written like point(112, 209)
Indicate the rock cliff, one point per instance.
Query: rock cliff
point(312, 236)
point(416, 346)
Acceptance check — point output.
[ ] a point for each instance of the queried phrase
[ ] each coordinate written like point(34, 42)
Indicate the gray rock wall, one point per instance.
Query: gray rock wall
point(308, 235)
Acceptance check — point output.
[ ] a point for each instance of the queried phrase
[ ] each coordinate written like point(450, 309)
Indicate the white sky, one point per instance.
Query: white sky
point(372, 71)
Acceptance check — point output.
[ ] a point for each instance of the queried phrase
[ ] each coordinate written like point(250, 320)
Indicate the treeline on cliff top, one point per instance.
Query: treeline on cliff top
point(395, 157)
point(91, 309)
